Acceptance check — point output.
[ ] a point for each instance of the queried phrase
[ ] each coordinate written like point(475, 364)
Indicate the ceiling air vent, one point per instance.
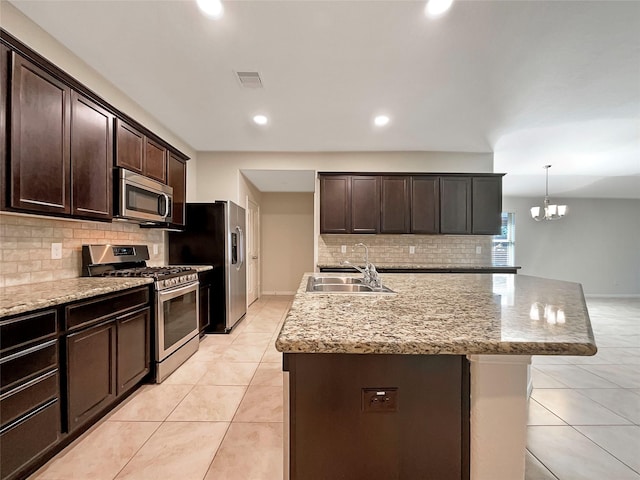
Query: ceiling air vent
point(249, 79)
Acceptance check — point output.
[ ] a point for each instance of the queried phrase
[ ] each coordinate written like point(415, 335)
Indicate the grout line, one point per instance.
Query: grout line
point(600, 446)
point(541, 463)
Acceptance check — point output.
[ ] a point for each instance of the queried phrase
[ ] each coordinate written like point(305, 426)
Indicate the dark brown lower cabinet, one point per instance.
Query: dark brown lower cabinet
point(378, 416)
point(23, 441)
point(91, 367)
point(29, 390)
point(133, 352)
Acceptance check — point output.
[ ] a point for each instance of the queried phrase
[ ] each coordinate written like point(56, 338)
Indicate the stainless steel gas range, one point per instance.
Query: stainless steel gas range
point(176, 302)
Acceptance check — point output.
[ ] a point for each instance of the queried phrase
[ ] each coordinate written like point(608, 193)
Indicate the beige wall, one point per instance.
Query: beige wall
point(25, 245)
point(219, 174)
point(287, 240)
point(597, 244)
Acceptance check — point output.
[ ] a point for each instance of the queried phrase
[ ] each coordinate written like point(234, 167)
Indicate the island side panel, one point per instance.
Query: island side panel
point(341, 429)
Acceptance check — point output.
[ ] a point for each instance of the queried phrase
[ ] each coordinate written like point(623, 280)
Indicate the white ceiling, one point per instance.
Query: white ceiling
point(536, 82)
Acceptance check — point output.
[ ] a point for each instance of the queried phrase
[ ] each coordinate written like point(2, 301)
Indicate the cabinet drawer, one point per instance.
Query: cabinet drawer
point(23, 441)
point(25, 398)
point(20, 330)
point(28, 364)
point(84, 313)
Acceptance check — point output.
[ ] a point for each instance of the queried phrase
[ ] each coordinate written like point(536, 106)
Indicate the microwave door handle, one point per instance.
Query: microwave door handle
point(167, 205)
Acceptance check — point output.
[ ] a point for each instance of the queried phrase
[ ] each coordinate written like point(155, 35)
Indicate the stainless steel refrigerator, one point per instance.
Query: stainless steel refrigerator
point(215, 235)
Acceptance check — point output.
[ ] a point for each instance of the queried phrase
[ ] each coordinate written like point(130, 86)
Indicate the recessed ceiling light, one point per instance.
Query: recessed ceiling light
point(435, 8)
point(260, 119)
point(381, 120)
point(213, 8)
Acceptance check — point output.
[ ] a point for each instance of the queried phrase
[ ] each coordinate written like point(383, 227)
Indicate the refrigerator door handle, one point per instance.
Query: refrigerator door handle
point(240, 248)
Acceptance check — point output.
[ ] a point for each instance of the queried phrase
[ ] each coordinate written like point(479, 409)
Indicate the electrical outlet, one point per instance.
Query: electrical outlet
point(478, 249)
point(412, 250)
point(343, 248)
point(155, 249)
point(380, 399)
point(56, 251)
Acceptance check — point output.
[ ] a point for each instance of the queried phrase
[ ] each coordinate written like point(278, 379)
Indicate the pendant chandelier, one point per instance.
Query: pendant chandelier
point(548, 211)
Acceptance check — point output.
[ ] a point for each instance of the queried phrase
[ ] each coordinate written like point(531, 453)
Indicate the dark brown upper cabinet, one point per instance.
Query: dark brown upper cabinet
point(4, 134)
point(455, 205)
point(365, 204)
point(335, 202)
point(138, 153)
point(395, 204)
point(57, 148)
point(61, 147)
point(91, 158)
point(130, 147)
point(486, 205)
point(155, 161)
point(177, 178)
point(40, 140)
point(425, 204)
point(428, 204)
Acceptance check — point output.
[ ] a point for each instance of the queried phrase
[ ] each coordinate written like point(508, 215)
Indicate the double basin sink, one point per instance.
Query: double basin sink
point(344, 285)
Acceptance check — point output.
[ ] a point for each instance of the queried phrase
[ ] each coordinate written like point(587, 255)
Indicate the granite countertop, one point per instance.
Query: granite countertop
point(426, 266)
point(197, 268)
point(35, 296)
point(452, 314)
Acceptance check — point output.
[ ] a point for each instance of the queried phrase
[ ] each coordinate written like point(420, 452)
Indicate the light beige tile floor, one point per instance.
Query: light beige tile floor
point(219, 416)
point(596, 399)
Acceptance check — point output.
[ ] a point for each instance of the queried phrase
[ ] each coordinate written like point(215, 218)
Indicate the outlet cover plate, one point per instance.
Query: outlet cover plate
point(56, 251)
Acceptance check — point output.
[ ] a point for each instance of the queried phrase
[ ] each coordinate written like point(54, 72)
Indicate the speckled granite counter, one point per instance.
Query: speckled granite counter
point(34, 296)
point(427, 268)
point(443, 314)
point(197, 268)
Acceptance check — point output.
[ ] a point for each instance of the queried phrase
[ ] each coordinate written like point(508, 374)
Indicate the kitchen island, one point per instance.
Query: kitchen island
point(431, 381)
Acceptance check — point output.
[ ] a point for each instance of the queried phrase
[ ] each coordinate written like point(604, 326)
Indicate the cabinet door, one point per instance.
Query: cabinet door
point(394, 204)
point(486, 205)
point(4, 102)
point(91, 158)
point(155, 161)
point(425, 204)
point(40, 118)
point(205, 306)
point(28, 439)
point(133, 349)
point(91, 372)
point(335, 203)
point(455, 205)
point(365, 204)
point(177, 178)
point(130, 147)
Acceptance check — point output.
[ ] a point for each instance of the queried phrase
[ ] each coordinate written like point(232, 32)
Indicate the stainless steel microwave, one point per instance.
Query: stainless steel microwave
point(141, 198)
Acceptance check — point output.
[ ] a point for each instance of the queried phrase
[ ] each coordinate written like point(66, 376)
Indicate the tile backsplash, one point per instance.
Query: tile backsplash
point(25, 245)
point(394, 249)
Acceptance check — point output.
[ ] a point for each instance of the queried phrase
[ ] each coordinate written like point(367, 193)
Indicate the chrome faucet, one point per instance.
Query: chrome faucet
point(369, 272)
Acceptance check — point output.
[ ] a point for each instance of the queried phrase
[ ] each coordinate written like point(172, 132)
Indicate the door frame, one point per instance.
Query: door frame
point(253, 240)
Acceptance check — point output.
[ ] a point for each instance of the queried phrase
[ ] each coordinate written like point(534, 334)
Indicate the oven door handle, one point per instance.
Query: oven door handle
point(176, 292)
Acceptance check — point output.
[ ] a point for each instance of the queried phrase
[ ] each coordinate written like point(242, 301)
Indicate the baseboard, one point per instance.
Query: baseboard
point(612, 295)
point(278, 292)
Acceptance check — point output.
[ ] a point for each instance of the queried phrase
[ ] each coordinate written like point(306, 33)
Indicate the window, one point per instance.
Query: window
point(503, 245)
